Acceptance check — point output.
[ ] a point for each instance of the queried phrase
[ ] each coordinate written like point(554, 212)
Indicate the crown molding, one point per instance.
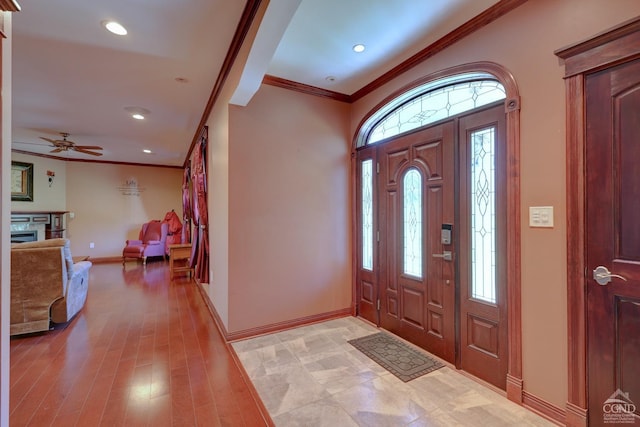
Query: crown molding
point(9, 6)
point(108, 162)
point(246, 20)
point(301, 87)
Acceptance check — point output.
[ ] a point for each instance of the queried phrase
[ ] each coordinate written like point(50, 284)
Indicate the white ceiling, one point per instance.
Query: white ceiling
point(71, 75)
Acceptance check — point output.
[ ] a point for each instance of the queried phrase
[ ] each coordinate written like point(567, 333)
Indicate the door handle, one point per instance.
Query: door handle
point(445, 255)
point(603, 276)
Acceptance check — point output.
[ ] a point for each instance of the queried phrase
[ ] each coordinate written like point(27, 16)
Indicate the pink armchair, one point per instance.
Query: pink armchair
point(150, 243)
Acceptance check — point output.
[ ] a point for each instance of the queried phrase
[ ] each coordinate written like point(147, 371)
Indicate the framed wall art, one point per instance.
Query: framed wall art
point(21, 182)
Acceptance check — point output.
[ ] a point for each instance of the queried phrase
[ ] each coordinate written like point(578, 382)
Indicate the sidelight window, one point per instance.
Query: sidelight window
point(412, 223)
point(367, 214)
point(483, 215)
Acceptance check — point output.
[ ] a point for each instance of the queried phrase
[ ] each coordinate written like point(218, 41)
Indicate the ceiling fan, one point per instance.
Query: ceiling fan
point(65, 145)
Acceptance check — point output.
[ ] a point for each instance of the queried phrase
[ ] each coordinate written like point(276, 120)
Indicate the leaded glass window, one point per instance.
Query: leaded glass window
point(367, 214)
point(483, 215)
point(412, 222)
point(435, 105)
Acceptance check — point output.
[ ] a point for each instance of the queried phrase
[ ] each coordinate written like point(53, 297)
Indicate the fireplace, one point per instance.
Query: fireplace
point(34, 226)
point(24, 236)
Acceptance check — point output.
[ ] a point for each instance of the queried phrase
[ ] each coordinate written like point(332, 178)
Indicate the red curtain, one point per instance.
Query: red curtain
point(200, 244)
point(186, 204)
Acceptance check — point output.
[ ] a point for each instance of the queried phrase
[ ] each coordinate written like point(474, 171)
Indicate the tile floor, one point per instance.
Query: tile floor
point(311, 376)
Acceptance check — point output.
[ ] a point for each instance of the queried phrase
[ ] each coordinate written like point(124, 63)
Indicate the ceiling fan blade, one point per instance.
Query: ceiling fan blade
point(53, 141)
point(89, 147)
point(80, 150)
point(56, 150)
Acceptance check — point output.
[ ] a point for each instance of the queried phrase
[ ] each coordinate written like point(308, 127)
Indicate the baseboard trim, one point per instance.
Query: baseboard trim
point(543, 408)
point(118, 259)
point(514, 389)
point(289, 324)
point(268, 329)
point(212, 310)
point(576, 416)
point(105, 260)
point(264, 413)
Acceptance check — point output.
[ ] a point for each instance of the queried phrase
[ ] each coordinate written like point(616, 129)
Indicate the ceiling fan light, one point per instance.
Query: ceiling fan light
point(138, 116)
point(115, 28)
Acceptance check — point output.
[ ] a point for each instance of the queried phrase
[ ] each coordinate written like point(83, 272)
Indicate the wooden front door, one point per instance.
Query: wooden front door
point(613, 243)
point(443, 292)
point(417, 274)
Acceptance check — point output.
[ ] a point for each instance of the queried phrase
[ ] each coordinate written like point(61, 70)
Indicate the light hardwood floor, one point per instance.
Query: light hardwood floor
point(143, 351)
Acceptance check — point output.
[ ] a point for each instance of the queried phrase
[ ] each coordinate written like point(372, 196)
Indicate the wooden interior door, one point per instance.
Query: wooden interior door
point(417, 284)
point(613, 243)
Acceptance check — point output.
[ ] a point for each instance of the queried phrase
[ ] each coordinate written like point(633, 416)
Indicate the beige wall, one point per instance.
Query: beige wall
point(107, 210)
point(108, 214)
point(218, 205)
point(218, 288)
point(289, 221)
point(524, 42)
point(278, 205)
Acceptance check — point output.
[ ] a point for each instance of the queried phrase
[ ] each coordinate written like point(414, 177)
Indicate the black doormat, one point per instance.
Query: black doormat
point(401, 360)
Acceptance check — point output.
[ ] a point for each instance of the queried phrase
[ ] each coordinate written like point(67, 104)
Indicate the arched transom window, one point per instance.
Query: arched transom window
point(430, 103)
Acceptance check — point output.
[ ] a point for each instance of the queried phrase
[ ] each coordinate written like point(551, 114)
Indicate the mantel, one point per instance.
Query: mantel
point(38, 212)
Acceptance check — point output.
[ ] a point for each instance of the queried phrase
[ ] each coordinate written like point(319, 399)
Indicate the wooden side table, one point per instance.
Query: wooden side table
point(182, 254)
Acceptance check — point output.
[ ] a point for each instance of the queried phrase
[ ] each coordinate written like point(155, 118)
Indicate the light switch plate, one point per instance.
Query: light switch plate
point(540, 216)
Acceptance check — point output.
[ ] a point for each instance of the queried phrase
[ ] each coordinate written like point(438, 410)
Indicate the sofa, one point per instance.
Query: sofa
point(46, 285)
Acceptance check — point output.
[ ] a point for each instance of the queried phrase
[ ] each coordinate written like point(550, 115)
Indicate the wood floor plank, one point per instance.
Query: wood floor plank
point(160, 411)
point(207, 415)
point(182, 409)
point(96, 401)
point(201, 391)
point(143, 351)
point(67, 419)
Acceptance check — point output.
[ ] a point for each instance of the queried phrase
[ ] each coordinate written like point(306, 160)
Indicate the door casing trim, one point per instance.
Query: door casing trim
point(610, 48)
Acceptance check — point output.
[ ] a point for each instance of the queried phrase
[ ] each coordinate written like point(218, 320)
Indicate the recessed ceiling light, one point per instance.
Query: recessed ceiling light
point(115, 27)
point(330, 78)
point(181, 80)
point(137, 113)
point(358, 48)
point(146, 150)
